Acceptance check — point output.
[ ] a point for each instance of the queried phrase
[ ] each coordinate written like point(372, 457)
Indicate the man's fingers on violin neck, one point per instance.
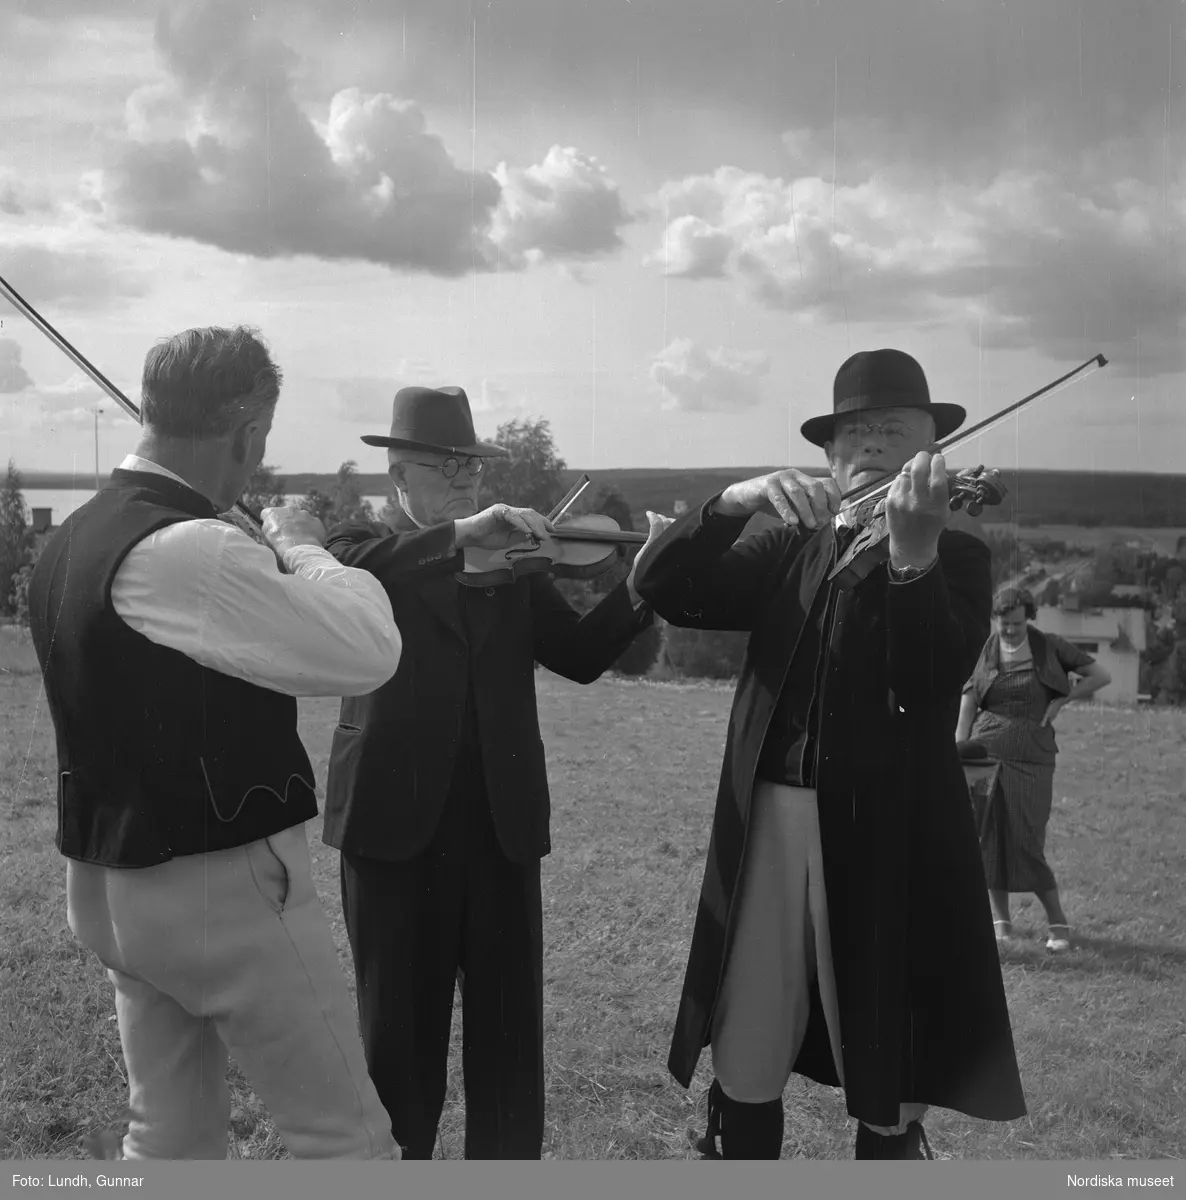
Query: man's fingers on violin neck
point(900, 489)
point(919, 467)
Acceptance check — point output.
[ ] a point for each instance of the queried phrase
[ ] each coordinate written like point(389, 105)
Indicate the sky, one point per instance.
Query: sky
point(662, 225)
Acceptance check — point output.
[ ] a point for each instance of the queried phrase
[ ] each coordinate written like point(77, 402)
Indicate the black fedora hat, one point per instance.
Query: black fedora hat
point(434, 419)
point(881, 379)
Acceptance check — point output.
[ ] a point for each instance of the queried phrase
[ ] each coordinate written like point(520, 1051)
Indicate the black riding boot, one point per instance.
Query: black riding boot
point(910, 1144)
point(748, 1131)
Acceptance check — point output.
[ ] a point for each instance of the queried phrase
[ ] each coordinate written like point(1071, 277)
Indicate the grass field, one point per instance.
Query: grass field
point(1100, 1032)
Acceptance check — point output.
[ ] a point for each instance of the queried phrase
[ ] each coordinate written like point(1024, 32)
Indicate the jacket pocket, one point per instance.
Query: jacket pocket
point(269, 873)
point(342, 774)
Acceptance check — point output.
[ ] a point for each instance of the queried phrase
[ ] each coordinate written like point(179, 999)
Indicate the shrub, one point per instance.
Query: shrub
point(704, 653)
point(642, 653)
point(15, 537)
point(20, 581)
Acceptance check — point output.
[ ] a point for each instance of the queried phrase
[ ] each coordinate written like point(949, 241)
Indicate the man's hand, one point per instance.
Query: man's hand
point(499, 526)
point(917, 511)
point(1052, 710)
point(290, 526)
point(793, 496)
point(658, 523)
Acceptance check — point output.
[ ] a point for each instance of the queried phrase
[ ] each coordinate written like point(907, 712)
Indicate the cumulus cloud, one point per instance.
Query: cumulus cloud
point(1032, 259)
point(72, 275)
point(223, 153)
point(694, 379)
point(366, 399)
point(778, 237)
point(495, 400)
point(13, 377)
point(10, 202)
point(566, 207)
point(19, 198)
point(944, 73)
point(67, 407)
point(694, 248)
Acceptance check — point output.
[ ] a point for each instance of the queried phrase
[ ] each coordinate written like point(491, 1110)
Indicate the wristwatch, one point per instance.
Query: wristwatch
point(908, 574)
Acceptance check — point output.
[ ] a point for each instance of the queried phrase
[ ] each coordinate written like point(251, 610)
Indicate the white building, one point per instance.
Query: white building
point(1114, 637)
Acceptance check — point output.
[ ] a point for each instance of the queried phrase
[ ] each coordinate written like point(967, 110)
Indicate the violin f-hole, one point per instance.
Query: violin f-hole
point(514, 552)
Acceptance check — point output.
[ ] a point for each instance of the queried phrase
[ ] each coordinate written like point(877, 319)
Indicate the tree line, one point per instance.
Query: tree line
point(533, 476)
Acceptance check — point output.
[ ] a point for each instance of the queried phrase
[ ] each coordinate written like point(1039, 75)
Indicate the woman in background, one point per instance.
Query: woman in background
point(1020, 684)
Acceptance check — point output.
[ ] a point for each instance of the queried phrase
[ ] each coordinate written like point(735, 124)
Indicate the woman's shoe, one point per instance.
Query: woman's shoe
point(1003, 930)
point(1059, 939)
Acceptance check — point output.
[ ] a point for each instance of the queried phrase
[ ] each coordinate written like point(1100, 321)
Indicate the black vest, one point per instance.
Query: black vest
point(158, 756)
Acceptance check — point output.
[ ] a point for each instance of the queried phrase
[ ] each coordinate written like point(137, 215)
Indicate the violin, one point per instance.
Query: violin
point(974, 487)
point(577, 548)
point(977, 487)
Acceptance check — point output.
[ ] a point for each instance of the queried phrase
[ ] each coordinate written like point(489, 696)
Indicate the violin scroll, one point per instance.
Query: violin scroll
point(976, 487)
point(973, 486)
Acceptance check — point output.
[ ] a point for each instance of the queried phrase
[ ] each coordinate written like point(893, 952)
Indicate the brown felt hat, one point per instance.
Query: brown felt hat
point(434, 419)
point(875, 379)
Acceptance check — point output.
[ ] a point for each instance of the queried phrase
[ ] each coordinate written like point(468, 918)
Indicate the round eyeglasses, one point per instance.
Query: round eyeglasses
point(452, 465)
point(892, 431)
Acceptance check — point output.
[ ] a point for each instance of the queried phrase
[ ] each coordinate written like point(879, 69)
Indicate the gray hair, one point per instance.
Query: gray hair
point(203, 382)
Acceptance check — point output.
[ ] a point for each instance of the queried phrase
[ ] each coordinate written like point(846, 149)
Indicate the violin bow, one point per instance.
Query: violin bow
point(625, 537)
point(26, 309)
point(570, 497)
point(859, 495)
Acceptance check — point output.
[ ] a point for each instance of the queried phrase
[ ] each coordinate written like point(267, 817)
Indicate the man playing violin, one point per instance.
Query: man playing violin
point(842, 930)
point(437, 794)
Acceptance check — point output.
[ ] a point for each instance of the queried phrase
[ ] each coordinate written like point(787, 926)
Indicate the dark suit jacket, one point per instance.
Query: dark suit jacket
point(393, 753)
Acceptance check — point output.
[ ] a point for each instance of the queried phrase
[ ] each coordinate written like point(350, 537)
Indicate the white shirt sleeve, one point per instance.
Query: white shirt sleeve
point(206, 589)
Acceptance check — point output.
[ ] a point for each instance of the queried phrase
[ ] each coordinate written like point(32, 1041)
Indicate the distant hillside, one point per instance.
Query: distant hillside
point(1081, 498)
point(1035, 497)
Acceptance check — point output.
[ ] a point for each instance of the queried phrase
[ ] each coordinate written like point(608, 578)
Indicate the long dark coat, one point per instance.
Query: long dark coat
point(922, 1006)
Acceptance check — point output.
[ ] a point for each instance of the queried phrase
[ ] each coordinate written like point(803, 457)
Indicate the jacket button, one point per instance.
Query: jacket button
point(489, 591)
